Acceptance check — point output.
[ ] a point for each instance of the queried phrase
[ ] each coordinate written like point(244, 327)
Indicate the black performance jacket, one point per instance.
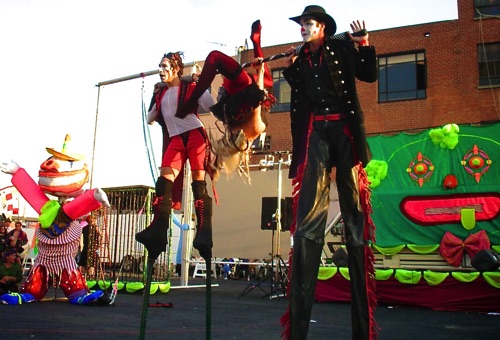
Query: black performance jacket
point(345, 64)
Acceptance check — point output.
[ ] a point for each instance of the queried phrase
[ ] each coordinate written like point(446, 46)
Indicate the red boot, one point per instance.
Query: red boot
point(203, 206)
point(257, 52)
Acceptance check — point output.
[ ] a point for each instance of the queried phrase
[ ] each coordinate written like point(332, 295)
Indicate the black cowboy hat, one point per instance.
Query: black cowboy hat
point(319, 14)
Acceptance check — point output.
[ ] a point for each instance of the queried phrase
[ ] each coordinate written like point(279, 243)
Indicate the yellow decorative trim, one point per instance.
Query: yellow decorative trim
point(164, 287)
point(326, 273)
point(407, 276)
point(383, 274)
point(345, 273)
point(465, 277)
point(104, 284)
point(493, 278)
point(389, 250)
point(435, 278)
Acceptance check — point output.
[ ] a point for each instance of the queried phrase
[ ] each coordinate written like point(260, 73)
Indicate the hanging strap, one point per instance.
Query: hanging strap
point(147, 138)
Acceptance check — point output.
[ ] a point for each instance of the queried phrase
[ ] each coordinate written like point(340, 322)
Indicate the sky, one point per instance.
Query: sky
point(55, 52)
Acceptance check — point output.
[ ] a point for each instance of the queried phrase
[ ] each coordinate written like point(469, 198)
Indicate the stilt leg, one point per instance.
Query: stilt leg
point(203, 243)
point(145, 302)
point(208, 299)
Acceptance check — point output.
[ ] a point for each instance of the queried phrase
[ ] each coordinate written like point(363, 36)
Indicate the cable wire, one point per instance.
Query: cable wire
point(147, 139)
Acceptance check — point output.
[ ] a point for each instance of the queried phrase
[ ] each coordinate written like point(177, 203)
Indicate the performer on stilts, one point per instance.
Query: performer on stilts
point(328, 131)
point(242, 107)
point(184, 138)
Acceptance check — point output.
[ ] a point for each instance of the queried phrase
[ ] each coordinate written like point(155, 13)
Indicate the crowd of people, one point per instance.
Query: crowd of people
point(12, 244)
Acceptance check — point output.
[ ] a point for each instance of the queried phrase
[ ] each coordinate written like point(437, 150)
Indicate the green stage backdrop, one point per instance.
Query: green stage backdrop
point(409, 173)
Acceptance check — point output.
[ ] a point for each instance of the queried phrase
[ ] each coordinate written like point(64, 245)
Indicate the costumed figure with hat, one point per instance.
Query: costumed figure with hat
point(328, 131)
point(62, 175)
point(242, 107)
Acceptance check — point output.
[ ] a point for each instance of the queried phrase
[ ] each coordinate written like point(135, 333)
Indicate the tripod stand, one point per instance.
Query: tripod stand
point(275, 275)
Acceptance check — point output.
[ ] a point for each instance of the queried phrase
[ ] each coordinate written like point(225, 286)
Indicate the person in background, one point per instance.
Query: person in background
point(226, 269)
point(328, 131)
point(88, 231)
point(3, 240)
point(17, 238)
point(5, 221)
point(185, 139)
point(11, 273)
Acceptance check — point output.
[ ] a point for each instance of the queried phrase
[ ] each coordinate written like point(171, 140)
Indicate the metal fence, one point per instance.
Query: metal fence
point(113, 250)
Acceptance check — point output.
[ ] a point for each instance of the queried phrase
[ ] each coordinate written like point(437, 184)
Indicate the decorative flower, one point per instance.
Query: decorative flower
point(450, 182)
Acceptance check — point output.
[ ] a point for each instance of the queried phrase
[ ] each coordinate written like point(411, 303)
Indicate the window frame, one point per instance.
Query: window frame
point(417, 57)
point(491, 65)
point(486, 8)
point(280, 80)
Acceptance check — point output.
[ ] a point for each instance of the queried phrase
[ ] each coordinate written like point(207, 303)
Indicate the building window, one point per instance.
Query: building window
point(401, 77)
point(486, 8)
point(488, 56)
point(281, 90)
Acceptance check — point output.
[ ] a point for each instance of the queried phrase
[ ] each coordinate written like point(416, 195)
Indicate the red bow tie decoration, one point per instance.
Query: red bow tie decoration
point(452, 248)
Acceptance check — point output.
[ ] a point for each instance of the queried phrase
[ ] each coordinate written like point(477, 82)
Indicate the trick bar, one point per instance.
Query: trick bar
point(340, 36)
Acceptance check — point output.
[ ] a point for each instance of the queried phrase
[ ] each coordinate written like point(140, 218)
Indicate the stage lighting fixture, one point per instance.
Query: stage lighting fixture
point(267, 163)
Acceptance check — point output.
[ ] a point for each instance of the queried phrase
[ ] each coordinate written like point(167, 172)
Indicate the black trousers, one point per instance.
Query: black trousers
point(329, 145)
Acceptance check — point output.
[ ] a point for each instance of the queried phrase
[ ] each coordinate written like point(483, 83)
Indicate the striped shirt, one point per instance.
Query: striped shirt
point(59, 253)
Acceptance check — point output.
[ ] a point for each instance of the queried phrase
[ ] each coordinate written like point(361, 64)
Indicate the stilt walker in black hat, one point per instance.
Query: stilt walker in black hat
point(328, 131)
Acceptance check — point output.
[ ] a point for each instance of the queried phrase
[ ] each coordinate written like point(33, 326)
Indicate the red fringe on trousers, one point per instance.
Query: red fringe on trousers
point(369, 233)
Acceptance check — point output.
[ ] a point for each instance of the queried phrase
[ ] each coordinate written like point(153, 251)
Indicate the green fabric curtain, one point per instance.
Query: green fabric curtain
point(398, 151)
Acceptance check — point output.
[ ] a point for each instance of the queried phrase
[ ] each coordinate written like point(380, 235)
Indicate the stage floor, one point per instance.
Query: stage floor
point(251, 316)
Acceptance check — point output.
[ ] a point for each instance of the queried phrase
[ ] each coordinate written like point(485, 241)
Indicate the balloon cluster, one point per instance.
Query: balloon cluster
point(376, 171)
point(446, 137)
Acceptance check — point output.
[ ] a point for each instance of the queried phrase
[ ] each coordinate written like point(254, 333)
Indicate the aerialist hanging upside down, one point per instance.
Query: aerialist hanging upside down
point(242, 107)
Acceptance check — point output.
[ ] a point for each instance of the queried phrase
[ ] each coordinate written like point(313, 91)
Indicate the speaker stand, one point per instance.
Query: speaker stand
point(277, 276)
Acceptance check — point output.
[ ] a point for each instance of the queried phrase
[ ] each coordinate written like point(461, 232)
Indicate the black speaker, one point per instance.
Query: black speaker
point(268, 212)
point(486, 260)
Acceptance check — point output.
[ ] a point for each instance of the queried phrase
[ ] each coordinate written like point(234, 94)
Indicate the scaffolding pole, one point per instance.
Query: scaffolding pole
point(125, 78)
point(138, 75)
